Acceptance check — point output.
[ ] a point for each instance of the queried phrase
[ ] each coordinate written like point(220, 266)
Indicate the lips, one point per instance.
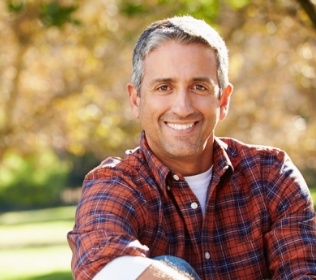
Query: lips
point(180, 126)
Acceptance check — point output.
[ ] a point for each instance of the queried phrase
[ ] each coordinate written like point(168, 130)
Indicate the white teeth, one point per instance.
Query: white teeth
point(180, 126)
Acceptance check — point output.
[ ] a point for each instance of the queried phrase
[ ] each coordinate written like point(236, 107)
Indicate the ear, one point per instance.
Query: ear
point(134, 99)
point(225, 99)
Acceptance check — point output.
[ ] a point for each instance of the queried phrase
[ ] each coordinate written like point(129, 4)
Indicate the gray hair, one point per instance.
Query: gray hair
point(184, 29)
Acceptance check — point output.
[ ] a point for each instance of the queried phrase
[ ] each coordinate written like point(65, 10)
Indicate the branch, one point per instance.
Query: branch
point(309, 8)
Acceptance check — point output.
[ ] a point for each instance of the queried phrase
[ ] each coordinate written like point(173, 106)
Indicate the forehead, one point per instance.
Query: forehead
point(173, 48)
point(180, 62)
point(171, 42)
point(174, 53)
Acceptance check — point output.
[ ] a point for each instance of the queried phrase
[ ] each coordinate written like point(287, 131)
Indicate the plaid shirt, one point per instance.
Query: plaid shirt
point(259, 221)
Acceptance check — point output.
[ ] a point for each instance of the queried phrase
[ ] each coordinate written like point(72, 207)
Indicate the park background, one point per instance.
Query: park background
point(64, 108)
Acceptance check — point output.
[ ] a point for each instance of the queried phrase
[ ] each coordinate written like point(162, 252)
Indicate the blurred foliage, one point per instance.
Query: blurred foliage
point(15, 6)
point(80, 166)
point(50, 13)
point(54, 14)
point(35, 181)
point(64, 66)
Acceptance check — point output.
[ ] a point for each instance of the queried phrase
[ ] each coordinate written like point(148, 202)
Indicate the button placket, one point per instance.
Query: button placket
point(194, 205)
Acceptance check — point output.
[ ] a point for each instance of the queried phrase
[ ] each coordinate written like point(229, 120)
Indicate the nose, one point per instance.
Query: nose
point(182, 103)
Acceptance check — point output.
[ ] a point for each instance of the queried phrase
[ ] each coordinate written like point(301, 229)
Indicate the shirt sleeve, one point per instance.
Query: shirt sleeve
point(108, 219)
point(291, 242)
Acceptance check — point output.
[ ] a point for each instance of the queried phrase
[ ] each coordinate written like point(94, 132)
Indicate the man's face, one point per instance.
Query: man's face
point(179, 104)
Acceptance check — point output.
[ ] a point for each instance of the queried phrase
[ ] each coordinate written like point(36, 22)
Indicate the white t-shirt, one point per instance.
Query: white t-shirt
point(124, 268)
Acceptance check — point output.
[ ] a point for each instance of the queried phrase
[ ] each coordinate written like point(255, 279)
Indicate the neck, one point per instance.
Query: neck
point(193, 165)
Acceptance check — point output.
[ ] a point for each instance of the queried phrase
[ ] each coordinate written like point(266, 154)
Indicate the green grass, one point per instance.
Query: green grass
point(33, 244)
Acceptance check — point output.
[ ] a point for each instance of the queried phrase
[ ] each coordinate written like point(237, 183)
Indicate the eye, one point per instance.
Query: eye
point(163, 88)
point(199, 87)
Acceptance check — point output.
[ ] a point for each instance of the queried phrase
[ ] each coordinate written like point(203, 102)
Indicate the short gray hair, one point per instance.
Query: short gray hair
point(184, 29)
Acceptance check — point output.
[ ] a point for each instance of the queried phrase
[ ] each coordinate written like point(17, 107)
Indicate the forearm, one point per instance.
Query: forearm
point(159, 270)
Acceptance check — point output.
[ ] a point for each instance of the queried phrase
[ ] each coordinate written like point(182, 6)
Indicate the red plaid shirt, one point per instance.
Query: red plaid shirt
point(259, 221)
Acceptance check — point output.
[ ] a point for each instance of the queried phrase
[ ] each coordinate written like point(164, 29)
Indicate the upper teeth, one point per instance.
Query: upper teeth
point(180, 126)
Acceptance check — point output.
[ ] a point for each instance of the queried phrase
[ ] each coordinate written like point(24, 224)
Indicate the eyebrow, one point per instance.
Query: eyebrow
point(197, 79)
point(207, 80)
point(204, 79)
point(163, 80)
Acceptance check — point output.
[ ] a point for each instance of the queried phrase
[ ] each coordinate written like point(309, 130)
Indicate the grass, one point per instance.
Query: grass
point(33, 244)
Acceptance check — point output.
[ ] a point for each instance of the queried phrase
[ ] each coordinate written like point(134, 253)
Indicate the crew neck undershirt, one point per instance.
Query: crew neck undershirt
point(199, 185)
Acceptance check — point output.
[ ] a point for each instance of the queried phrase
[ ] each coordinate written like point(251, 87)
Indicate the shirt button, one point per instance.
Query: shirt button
point(168, 187)
point(176, 177)
point(207, 255)
point(194, 205)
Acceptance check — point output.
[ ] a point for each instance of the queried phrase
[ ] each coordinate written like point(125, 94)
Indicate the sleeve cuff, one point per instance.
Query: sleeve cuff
point(125, 267)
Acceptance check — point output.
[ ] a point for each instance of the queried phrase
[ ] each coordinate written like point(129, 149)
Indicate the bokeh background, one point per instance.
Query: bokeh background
point(64, 66)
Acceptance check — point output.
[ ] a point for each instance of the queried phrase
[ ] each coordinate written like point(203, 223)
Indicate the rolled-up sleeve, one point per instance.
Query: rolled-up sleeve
point(107, 222)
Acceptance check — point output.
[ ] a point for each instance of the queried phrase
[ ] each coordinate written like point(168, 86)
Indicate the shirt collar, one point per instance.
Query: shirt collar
point(159, 170)
point(221, 161)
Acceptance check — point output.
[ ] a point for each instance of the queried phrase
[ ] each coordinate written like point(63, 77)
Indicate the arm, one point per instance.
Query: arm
point(159, 270)
point(291, 242)
point(139, 268)
point(108, 218)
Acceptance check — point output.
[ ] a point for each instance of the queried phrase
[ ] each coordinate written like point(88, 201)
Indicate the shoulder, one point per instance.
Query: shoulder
point(239, 151)
point(115, 167)
point(114, 181)
point(266, 164)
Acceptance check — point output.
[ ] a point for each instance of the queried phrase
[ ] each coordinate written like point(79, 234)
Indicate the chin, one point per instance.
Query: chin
point(182, 154)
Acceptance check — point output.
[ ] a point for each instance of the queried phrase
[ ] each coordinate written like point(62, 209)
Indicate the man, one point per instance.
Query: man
point(187, 204)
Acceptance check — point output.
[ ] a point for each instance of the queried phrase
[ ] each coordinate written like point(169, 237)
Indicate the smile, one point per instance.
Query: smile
point(180, 126)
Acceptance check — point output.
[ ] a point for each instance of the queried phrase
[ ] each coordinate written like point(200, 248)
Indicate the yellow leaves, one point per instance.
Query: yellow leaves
point(76, 148)
point(271, 27)
point(70, 81)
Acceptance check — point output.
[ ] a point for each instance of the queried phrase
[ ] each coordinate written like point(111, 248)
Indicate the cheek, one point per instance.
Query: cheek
point(210, 109)
point(152, 109)
point(213, 116)
point(135, 112)
point(145, 114)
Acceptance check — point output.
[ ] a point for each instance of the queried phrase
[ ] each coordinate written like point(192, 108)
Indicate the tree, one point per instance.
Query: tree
point(310, 10)
point(64, 67)
point(59, 82)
